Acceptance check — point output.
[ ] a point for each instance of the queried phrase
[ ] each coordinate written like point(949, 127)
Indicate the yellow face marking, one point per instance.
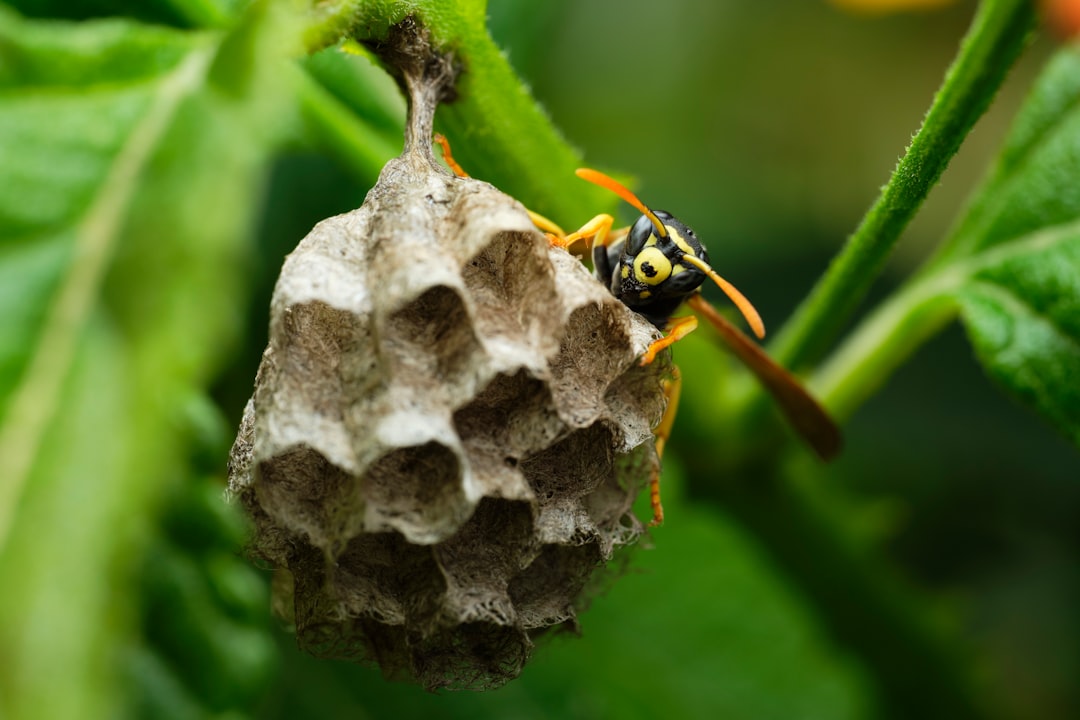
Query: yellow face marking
point(651, 266)
point(681, 241)
point(625, 272)
point(678, 269)
point(644, 295)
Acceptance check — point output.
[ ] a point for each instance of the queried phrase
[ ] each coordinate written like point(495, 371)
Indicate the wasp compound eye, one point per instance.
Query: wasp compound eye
point(640, 233)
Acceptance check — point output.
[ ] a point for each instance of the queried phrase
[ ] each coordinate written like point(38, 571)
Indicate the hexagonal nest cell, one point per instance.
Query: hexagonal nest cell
point(448, 430)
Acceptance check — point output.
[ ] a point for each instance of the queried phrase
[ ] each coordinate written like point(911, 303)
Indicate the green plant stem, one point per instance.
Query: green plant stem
point(882, 343)
point(998, 33)
point(889, 335)
point(913, 666)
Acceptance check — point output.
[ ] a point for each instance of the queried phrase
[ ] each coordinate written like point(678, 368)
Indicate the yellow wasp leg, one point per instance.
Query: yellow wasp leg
point(672, 390)
point(545, 225)
point(593, 232)
point(598, 227)
point(448, 158)
point(677, 330)
point(553, 232)
point(615, 236)
point(598, 230)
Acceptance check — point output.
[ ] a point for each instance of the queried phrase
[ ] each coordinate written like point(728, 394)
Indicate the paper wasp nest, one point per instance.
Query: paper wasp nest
point(447, 433)
point(448, 428)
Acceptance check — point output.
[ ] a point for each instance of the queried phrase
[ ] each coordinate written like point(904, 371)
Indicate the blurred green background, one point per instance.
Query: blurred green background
point(769, 127)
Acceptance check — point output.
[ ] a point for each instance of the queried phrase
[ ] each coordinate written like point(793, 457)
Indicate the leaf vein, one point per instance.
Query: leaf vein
point(35, 399)
point(1020, 306)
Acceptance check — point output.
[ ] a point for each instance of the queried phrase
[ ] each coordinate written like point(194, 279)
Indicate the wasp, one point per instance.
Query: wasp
point(654, 267)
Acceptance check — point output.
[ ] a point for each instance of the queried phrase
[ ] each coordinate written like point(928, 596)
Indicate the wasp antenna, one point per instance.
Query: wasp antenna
point(753, 318)
point(598, 178)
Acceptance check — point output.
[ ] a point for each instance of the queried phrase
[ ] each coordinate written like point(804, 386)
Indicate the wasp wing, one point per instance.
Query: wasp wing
point(800, 408)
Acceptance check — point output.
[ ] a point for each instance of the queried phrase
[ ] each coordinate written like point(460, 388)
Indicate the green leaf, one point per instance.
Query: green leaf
point(1022, 312)
point(1018, 250)
point(204, 611)
point(1011, 268)
point(133, 160)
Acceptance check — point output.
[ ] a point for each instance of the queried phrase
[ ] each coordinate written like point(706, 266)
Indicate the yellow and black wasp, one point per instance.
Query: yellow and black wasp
point(656, 265)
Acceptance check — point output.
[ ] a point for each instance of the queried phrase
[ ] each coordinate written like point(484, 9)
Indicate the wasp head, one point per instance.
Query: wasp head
point(655, 262)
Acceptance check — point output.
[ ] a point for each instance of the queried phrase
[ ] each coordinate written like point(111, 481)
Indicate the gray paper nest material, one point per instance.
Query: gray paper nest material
point(448, 430)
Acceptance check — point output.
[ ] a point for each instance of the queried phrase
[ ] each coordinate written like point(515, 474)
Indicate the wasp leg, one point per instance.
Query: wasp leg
point(672, 390)
point(552, 232)
point(598, 228)
point(546, 226)
point(448, 157)
point(593, 232)
point(557, 236)
point(677, 330)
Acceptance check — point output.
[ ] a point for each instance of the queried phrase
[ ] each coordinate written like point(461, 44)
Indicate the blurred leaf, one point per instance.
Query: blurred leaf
point(133, 157)
point(210, 13)
point(1018, 249)
point(363, 87)
point(1023, 316)
point(204, 614)
point(712, 643)
point(360, 134)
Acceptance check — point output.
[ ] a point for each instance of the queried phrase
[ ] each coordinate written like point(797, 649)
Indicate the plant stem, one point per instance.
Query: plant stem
point(865, 608)
point(889, 335)
point(882, 343)
point(998, 33)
